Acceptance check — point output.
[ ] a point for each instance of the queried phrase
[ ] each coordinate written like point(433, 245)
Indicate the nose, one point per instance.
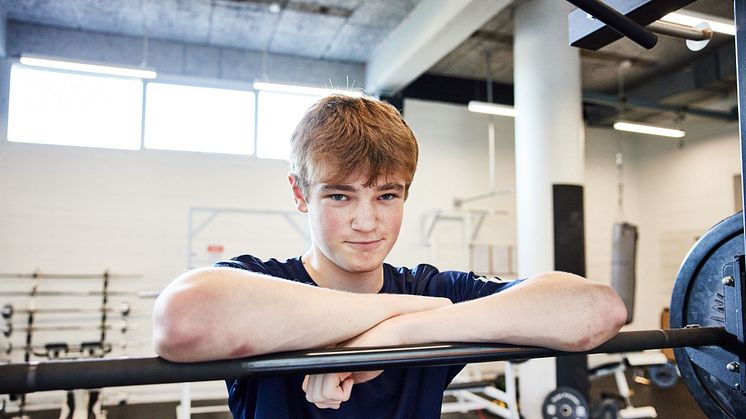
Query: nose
point(364, 217)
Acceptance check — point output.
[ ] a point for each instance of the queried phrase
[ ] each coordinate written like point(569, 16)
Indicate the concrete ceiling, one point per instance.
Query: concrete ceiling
point(349, 30)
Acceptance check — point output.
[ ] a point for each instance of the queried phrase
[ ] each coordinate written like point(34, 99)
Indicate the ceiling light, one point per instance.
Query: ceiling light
point(304, 90)
point(36, 61)
point(491, 108)
point(274, 8)
point(687, 18)
point(648, 129)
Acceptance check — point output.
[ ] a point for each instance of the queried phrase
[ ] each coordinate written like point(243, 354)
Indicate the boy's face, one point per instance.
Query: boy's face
point(353, 226)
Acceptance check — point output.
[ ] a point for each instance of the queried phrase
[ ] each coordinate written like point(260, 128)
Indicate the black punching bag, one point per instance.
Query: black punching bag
point(623, 256)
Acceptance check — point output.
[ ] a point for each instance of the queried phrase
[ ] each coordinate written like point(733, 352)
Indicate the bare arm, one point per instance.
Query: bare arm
point(219, 313)
point(556, 310)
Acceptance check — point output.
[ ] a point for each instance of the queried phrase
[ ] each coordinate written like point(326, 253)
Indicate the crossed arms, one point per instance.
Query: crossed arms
point(219, 313)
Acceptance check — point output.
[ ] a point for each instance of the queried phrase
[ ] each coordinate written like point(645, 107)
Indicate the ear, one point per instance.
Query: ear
point(300, 200)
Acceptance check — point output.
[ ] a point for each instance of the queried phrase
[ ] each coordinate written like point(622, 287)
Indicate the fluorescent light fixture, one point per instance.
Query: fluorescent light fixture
point(304, 90)
point(139, 73)
point(491, 108)
point(687, 18)
point(648, 129)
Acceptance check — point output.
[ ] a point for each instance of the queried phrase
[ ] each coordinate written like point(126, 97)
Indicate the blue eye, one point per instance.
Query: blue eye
point(388, 197)
point(337, 197)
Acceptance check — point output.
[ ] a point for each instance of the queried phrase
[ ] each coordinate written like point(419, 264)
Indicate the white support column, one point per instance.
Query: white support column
point(4, 75)
point(3, 32)
point(549, 137)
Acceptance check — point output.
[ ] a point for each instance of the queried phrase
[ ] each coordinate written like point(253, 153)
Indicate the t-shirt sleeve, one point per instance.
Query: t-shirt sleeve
point(465, 286)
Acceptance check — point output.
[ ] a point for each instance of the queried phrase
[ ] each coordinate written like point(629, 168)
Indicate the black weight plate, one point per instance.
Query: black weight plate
point(565, 403)
point(692, 302)
point(664, 376)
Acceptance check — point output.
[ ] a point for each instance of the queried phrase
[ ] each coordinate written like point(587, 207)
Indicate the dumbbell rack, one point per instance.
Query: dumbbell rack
point(50, 351)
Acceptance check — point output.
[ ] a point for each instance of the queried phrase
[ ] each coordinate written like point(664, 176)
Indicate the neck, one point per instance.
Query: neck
point(328, 275)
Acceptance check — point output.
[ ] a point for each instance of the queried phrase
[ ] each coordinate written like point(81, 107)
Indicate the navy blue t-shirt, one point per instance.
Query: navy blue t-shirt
point(398, 393)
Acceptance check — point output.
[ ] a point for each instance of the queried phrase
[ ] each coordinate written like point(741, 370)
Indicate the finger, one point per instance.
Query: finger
point(305, 383)
point(347, 388)
point(317, 387)
point(365, 376)
point(328, 405)
point(331, 388)
point(313, 393)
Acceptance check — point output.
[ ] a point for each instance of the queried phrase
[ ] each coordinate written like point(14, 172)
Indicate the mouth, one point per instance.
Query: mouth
point(365, 244)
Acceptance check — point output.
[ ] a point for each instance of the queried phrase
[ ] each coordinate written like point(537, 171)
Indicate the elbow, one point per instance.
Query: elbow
point(167, 346)
point(172, 338)
point(616, 311)
point(189, 322)
point(608, 316)
point(176, 325)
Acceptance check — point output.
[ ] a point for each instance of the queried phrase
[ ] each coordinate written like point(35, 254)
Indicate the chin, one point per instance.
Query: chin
point(360, 269)
point(363, 266)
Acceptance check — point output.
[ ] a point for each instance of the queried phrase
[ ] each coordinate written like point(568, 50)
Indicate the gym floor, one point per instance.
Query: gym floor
point(672, 403)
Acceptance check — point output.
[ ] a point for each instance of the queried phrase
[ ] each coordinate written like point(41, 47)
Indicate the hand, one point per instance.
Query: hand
point(329, 391)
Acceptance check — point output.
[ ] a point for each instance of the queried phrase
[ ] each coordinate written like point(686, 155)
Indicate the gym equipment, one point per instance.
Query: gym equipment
point(711, 279)
point(565, 403)
point(664, 376)
point(620, 406)
point(8, 329)
point(41, 275)
point(709, 289)
point(93, 349)
point(618, 21)
point(8, 310)
point(138, 294)
point(603, 27)
point(56, 350)
point(96, 373)
point(624, 249)
point(503, 404)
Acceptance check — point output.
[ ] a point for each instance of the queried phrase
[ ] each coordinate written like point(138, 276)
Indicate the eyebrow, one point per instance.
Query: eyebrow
point(350, 188)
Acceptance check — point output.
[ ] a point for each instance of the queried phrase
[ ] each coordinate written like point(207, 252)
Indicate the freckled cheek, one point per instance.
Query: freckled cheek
point(393, 220)
point(330, 225)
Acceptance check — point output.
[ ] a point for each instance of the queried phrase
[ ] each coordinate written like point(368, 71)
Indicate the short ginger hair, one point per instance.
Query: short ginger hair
point(351, 136)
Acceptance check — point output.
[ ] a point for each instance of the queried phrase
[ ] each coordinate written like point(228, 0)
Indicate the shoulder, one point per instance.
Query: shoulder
point(458, 286)
point(289, 269)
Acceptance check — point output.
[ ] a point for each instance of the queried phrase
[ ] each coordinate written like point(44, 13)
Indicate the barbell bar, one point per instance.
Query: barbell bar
point(138, 294)
point(40, 275)
point(8, 310)
point(98, 373)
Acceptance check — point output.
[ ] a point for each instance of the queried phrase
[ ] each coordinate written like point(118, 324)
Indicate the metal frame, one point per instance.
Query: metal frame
point(593, 33)
point(471, 222)
point(467, 400)
point(194, 228)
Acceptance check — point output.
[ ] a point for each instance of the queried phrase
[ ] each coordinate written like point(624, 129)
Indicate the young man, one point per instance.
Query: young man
point(353, 160)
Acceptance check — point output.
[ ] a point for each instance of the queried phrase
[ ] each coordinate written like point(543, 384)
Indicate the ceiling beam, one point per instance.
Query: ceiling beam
point(432, 30)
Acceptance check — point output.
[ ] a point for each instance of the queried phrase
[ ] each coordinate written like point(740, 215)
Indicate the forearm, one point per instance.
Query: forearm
point(555, 310)
point(223, 313)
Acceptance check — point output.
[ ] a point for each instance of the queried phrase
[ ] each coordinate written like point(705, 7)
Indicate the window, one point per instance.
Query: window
point(64, 108)
point(279, 113)
point(191, 118)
